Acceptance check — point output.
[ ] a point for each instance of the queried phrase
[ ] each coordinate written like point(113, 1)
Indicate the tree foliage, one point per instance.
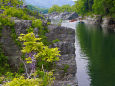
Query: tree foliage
point(14, 3)
point(103, 7)
point(42, 52)
point(56, 8)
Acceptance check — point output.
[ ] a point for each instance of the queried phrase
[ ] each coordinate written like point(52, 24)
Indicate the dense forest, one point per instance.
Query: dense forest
point(103, 7)
point(88, 7)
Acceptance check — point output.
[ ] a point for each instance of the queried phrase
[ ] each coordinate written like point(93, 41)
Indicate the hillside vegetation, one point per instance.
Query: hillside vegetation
point(35, 51)
point(34, 8)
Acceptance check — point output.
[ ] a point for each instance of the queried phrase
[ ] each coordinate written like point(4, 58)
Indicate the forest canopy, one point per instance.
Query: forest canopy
point(103, 7)
point(59, 9)
point(88, 7)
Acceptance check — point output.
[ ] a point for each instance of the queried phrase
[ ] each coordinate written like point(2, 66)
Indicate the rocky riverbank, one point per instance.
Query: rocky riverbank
point(64, 17)
point(66, 67)
point(104, 22)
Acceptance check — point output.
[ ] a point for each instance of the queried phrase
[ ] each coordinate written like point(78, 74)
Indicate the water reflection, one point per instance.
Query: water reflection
point(99, 48)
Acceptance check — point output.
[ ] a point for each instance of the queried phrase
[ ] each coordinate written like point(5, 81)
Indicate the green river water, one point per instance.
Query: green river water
point(97, 52)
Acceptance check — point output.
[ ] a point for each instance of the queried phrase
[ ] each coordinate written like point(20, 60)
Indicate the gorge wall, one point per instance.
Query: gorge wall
point(65, 69)
point(104, 22)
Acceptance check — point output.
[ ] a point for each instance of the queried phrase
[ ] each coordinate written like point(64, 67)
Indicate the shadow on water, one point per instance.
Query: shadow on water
point(97, 46)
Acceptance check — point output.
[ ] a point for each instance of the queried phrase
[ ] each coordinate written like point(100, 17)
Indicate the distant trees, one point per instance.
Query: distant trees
point(37, 9)
point(56, 8)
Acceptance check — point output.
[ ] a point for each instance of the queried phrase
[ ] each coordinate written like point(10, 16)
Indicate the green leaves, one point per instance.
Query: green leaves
point(28, 60)
point(56, 8)
point(103, 7)
point(21, 81)
point(48, 54)
point(36, 50)
point(8, 3)
point(33, 44)
point(37, 23)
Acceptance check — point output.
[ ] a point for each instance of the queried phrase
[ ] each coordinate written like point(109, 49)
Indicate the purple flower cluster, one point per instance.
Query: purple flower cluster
point(33, 64)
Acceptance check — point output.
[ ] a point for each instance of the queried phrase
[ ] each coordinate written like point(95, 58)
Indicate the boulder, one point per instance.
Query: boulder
point(73, 15)
point(52, 15)
point(64, 15)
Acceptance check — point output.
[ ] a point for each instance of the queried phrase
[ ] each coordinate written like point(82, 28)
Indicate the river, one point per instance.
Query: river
point(95, 56)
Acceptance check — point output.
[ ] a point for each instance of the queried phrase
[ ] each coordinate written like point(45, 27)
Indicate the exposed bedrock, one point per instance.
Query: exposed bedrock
point(107, 23)
point(62, 16)
point(10, 48)
point(66, 67)
point(96, 19)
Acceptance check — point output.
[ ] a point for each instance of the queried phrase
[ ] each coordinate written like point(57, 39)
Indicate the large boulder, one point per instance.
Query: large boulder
point(52, 15)
point(64, 15)
point(73, 15)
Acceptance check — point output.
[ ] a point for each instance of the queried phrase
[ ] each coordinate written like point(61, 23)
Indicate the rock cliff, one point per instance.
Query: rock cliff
point(106, 22)
point(65, 68)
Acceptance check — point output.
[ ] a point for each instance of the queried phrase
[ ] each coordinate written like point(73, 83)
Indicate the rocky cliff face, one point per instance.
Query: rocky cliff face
point(108, 23)
point(8, 44)
point(96, 19)
point(21, 26)
point(66, 67)
point(10, 48)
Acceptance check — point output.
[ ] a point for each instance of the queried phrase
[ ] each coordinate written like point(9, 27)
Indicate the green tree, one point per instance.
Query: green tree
point(81, 7)
point(54, 8)
point(65, 8)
